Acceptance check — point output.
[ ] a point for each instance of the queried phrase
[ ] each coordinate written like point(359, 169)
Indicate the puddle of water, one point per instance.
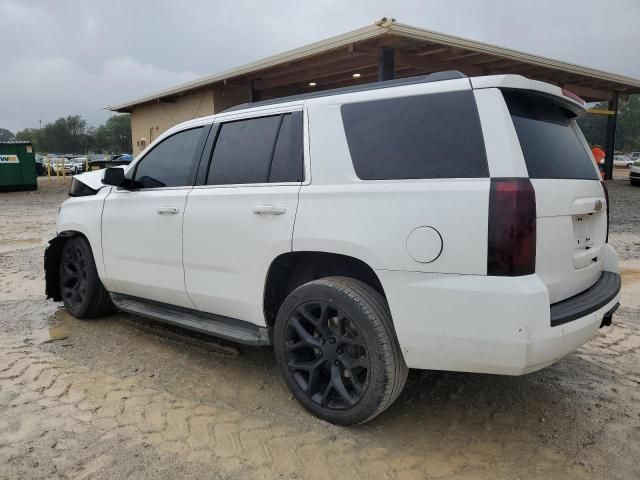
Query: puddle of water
point(58, 327)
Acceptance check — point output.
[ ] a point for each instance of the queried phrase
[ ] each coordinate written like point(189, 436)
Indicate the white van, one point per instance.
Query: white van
point(436, 222)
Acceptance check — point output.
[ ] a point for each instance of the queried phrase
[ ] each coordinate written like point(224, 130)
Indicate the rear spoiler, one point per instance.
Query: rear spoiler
point(567, 98)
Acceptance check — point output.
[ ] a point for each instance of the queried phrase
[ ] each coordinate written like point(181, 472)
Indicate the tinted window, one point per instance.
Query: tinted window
point(170, 163)
point(243, 151)
point(551, 148)
point(427, 136)
point(288, 157)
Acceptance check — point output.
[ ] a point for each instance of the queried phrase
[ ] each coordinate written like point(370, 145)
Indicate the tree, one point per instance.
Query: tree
point(594, 126)
point(6, 135)
point(115, 134)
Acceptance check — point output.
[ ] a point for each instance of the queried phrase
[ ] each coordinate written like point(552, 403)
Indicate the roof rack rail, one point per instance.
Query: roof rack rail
point(432, 77)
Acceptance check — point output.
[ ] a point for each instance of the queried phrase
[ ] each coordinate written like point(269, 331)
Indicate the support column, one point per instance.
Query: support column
point(386, 60)
point(254, 95)
point(610, 141)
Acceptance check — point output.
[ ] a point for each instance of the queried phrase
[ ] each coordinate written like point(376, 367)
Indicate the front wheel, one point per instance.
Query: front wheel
point(83, 294)
point(337, 349)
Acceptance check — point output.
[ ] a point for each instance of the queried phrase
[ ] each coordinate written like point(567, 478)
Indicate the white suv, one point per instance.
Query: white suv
point(437, 222)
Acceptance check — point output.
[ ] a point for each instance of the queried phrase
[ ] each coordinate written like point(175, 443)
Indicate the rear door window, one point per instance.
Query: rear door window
point(288, 158)
point(258, 150)
point(427, 136)
point(550, 145)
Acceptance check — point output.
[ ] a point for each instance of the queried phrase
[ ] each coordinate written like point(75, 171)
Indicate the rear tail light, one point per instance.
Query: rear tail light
point(606, 199)
point(512, 227)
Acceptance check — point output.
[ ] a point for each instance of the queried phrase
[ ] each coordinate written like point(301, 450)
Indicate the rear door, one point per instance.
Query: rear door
point(242, 217)
point(570, 200)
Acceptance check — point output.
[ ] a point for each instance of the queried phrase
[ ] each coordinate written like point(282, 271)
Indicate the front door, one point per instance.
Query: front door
point(236, 224)
point(142, 226)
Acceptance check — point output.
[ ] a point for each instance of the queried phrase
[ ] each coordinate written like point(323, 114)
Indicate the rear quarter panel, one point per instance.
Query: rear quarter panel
point(372, 220)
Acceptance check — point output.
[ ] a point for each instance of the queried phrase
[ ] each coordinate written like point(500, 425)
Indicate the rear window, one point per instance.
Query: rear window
point(426, 136)
point(551, 147)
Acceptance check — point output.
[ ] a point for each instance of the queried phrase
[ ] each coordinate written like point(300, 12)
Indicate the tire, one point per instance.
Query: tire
point(338, 352)
point(635, 183)
point(82, 292)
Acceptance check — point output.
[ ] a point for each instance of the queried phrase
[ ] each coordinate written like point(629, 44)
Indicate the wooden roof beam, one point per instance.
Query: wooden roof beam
point(349, 65)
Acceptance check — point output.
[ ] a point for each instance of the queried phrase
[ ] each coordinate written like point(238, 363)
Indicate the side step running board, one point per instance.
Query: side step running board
point(222, 327)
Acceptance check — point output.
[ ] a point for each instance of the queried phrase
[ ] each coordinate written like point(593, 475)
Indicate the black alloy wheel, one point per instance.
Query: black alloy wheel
point(81, 290)
point(73, 276)
point(336, 347)
point(327, 355)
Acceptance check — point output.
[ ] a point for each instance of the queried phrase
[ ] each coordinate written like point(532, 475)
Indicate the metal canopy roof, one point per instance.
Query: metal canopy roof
point(332, 62)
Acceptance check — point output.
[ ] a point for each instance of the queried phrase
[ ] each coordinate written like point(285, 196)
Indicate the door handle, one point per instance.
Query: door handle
point(269, 210)
point(167, 210)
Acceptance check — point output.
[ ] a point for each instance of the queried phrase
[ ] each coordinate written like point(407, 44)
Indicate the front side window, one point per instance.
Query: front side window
point(258, 150)
point(427, 136)
point(170, 163)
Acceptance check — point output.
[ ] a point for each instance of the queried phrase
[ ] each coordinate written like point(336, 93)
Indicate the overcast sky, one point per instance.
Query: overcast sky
point(70, 57)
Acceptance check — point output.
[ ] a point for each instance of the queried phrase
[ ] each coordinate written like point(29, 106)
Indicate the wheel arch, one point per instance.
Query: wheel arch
point(292, 269)
point(52, 257)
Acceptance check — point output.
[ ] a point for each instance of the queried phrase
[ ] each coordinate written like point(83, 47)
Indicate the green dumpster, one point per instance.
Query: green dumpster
point(17, 166)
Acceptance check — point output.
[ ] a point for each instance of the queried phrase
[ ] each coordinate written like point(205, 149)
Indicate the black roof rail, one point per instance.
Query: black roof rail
point(432, 77)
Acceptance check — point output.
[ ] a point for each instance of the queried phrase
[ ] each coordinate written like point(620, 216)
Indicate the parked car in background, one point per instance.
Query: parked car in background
point(40, 169)
point(330, 227)
point(79, 163)
point(125, 159)
point(103, 161)
point(634, 174)
point(60, 165)
point(622, 161)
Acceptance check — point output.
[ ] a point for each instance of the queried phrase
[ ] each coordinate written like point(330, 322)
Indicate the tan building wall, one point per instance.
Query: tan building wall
point(150, 120)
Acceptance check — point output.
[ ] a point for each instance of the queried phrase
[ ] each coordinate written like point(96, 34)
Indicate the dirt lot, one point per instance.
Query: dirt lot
point(120, 398)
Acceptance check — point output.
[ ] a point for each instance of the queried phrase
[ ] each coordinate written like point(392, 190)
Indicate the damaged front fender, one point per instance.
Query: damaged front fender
point(52, 257)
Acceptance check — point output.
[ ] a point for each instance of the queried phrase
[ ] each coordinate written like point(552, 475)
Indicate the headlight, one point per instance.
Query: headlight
point(79, 189)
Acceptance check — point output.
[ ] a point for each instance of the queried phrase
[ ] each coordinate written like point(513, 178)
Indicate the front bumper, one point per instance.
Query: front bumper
point(483, 324)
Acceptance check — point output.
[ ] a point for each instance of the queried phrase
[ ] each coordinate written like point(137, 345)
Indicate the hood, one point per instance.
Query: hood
point(93, 179)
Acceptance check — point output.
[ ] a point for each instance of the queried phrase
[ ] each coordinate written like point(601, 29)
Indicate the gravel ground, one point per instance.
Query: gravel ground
point(120, 398)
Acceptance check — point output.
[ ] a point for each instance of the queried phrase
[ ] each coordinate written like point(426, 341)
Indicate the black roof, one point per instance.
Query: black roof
point(432, 77)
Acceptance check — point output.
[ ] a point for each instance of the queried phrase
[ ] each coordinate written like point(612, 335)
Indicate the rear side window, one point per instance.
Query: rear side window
point(426, 136)
point(551, 147)
point(171, 162)
point(258, 150)
point(288, 157)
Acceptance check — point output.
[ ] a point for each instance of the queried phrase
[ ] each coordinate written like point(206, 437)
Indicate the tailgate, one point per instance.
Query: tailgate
point(571, 234)
point(571, 226)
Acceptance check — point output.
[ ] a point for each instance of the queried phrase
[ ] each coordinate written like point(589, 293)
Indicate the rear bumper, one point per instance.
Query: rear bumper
point(589, 301)
point(487, 324)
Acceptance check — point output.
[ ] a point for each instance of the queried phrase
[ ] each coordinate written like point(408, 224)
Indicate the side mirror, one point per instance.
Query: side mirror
point(114, 176)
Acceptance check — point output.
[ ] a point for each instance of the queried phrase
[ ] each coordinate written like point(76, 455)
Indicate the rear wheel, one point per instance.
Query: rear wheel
point(635, 182)
point(83, 294)
point(337, 349)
